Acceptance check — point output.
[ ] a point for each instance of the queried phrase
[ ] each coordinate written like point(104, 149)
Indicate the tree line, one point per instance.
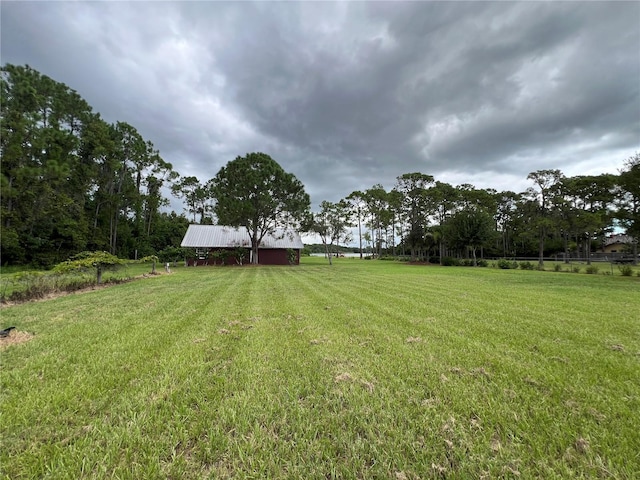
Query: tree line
point(425, 218)
point(72, 182)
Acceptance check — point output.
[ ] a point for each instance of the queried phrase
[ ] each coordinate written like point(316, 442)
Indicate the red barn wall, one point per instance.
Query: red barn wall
point(272, 256)
point(266, 256)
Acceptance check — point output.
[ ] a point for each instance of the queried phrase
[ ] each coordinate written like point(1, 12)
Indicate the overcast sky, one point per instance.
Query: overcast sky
point(346, 95)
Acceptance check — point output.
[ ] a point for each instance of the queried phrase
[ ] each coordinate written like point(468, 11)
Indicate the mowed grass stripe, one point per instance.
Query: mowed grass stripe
point(129, 354)
point(526, 368)
point(316, 372)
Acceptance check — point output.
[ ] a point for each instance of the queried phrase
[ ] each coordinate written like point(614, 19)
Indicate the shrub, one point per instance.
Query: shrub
point(575, 269)
point(450, 262)
point(626, 270)
point(505, 264)
point(557, 267)
point(98, 262)
point(434, 259)
point(292, 256)
point(592, 269)
point(483, 263)
point(526, 266)
point(172, 254)
point(27, 286)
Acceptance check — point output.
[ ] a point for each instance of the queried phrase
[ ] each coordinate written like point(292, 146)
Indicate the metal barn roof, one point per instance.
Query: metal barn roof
point(217, 236)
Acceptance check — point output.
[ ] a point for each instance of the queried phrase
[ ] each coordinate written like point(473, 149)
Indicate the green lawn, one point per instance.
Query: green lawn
point(367, 369)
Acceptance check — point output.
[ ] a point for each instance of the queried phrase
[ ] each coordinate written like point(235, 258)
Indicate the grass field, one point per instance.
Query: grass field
point(361, 370)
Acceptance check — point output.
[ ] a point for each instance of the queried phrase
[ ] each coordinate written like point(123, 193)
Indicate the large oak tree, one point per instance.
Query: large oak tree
point(256, 193)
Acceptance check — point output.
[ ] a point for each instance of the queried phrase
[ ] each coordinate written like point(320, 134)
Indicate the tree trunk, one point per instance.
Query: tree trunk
point(541, 249)
point(254, 246)
point(360, 232)
point(7, 221)
point(587, 249)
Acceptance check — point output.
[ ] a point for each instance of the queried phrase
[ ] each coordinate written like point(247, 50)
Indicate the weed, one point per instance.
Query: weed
point(505, 264)
point(591, 269)
point(626, 270)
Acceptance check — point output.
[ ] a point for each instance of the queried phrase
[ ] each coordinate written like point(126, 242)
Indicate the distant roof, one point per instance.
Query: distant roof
point(618, 238)
point(217, 236)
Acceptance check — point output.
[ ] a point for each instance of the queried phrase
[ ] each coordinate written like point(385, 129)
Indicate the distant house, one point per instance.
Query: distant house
point(281, 248)
point(616, 243)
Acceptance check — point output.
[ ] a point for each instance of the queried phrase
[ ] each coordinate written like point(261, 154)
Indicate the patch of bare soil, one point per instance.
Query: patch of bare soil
point(343, 377)
point(15, 337)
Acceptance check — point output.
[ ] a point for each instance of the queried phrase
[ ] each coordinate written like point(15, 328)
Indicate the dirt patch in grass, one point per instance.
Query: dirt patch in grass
point(15, 337)
point(343, 377)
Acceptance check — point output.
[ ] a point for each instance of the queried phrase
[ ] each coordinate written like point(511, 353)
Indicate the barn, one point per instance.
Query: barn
point(218, 244)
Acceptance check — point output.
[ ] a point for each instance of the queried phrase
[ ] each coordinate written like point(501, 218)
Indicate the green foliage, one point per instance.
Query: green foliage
point(629, 196)
point(332, 225)
point(469, 228)
point(414, 205)
point(256, 193)
point(240, 254)
point(625, 270)
point(557, 267)
point(221, 255)
point(172, 254)
point(591, 269)
point(97, 261)
point(70, 181)
point(505, 264)
point(196, 196)
point(153, 259)
point(292, 256)
point(526, 266)
point(32, 285)
point(450, 262)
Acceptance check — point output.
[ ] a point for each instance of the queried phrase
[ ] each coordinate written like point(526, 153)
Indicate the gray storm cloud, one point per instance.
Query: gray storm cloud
point(346, 95)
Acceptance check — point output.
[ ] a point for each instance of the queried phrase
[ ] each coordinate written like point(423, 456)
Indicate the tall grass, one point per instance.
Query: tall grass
point(360, 370)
